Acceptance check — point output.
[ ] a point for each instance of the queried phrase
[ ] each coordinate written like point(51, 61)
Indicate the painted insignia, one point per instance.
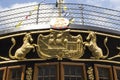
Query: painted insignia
point(60, 44)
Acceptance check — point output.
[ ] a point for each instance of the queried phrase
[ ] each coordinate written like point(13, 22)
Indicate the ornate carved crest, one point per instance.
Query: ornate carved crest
point(60, 44)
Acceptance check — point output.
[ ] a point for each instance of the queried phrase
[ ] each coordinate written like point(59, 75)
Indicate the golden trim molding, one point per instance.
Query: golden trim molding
point(43, 31)
point(81, 60)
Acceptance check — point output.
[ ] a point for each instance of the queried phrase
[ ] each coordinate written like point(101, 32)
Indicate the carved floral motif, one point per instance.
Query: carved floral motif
point(29, 73)
point(90, 73)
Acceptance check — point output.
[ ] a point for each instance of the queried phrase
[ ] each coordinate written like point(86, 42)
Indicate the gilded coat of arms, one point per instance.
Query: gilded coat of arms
point(60, 44)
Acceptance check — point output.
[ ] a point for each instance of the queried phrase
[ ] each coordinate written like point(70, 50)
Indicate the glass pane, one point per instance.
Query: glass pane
point(104, 73)
point(46, 78)
point(67, 78)
point(52, 71)
point(73, 78)
point(79, 71)
point(41, 72)
point(67, 70)
point(52, 78)
point(118, 74)
point(16, 74)
point(40, 78)
point(47, 72)
point(79, 78)
point(73, 72)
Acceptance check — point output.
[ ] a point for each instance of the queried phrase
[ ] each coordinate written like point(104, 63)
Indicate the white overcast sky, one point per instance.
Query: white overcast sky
point(111, 4)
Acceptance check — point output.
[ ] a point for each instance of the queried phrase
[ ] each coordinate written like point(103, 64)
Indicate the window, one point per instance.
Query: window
point(103, 72)
point(116, 72)
point(16, 73)
point(46, 71)
point(73, 71)
point(2, 73)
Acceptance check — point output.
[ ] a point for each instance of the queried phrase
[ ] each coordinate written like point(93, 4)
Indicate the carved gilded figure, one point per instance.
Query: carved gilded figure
point(116, 56)
point(90, 73)
point(21, 52)
point(60, 44)
point(29, 73)
point(91, 43)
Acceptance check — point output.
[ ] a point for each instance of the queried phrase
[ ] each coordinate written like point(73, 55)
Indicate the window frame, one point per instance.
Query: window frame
point(96, 66)
point(4, 72)
point(73, 64)
point(45, 64)
point(115, 68)
point(15, 67)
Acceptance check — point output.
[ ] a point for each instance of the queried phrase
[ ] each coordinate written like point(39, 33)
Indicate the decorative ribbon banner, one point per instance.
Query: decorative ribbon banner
point(27, 16)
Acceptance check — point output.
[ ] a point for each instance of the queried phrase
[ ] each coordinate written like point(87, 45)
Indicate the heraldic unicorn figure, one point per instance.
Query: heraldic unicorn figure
point(26, 47)
point(91, 43)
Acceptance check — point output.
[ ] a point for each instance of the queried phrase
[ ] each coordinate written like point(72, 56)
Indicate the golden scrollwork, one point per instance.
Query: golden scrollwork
point(4, 58)
point(91, 43)
point(21, 52)
point(90, 73)
point(116, 56)
point(60, 44)
point(29, 73)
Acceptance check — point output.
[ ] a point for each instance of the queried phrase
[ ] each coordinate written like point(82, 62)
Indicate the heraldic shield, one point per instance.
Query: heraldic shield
point(60, 44)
